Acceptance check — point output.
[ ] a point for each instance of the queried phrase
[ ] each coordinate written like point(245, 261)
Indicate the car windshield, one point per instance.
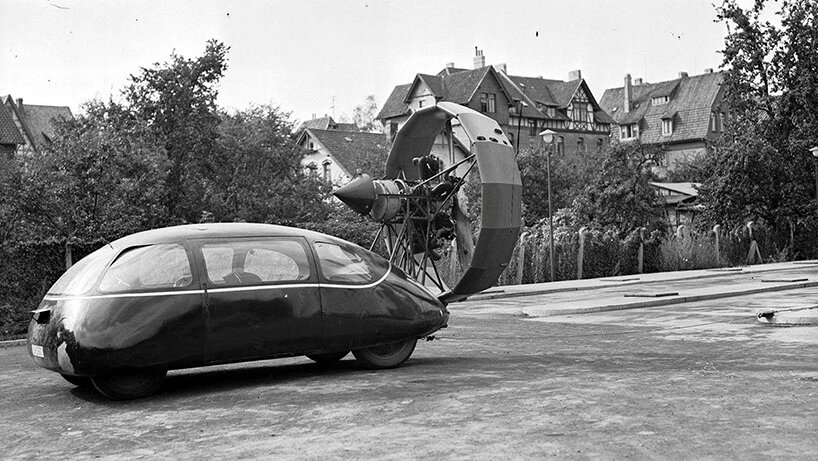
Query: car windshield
point(82, 275)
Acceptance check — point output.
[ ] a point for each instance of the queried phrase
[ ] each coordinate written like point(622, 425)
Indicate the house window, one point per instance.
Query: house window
point(532, 127)
point(488, 102)
point(420, 103)
point(580, 114)
point(393, 130)
point(629, 131)
point(580, 144)
point(327, 170)
point(599, 143)
point(560, 146)
point(659, 100)
point(667, 126)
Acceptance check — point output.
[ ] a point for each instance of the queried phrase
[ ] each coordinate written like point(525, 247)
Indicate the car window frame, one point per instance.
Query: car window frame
point(194, 282)
point(368, 259)
point(198, 244)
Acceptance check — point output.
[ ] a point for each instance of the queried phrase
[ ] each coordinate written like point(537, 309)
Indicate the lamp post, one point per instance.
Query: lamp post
point(814, 152)
point(548, 137)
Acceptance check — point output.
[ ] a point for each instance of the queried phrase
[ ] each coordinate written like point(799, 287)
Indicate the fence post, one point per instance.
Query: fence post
point(521, 258)
point(581, 252)
point(753, 253)
point(641, 263)
point(716, 229)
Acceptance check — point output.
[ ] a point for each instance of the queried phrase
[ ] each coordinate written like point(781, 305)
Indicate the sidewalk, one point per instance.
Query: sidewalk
point(646, 290)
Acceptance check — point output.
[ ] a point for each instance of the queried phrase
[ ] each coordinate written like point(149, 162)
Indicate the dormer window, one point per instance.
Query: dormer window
point(667, 126)
point(630, 131)
point(659, 100)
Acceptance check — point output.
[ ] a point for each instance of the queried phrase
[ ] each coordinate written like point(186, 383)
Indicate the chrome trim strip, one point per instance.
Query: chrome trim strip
point(124, 295)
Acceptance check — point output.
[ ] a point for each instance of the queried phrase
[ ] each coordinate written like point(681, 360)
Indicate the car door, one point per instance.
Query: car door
point(262, 297)
point(348, 275)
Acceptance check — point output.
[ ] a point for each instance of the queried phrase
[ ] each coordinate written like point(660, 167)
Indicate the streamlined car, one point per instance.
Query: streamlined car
point(207, 294)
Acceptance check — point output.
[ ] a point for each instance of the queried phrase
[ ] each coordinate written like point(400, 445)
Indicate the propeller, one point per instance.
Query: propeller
point(420, 205)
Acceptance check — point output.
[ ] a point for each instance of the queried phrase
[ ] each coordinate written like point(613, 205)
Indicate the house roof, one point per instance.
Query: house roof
point(450, 70)
point(37, 121)
point(434, 83)
point(690, 104)
point(395, 104)
point(346, 146)
point(40, 121)
point(460, 85)
point(327, 123)
point(685, 188)
point(9, 134)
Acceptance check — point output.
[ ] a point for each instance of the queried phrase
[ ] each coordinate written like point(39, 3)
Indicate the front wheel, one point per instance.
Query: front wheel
point(129, 386)
point(386, 356)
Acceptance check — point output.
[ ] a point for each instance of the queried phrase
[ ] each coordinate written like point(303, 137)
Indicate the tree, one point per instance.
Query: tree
point(760, 169)
point(364, 115)
point(103, 177)
point(177, 101)
point(617, 195)
point(569, 175)
point(261, 178)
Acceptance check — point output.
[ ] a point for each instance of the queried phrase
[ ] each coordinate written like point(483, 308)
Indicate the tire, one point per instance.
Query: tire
point(386, 356)
point(327, 358)
point(129, 386)
point(79, 381)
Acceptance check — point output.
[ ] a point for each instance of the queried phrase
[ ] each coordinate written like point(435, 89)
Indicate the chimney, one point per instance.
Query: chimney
point(479, 59)
point(574, 75)
point(627, 94)
point(501, 68)
point(637, 81)
point(709, 70)
point(450, 65)
point(20, 103)
point(682, 74)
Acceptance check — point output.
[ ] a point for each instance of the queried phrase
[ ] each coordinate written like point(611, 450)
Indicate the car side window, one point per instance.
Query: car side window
point(343, 264)
point(148, 268)
point(250, 262)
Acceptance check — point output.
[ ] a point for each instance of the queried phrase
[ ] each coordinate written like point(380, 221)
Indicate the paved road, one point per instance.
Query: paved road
point(700, 380)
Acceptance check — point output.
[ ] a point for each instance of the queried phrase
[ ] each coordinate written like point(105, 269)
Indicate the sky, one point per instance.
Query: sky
point(325, 57)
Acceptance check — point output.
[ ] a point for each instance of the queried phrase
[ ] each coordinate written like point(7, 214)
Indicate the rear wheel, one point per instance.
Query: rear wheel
point(387, 355)
point(326, 358)
point(130, 385)
point(79, 381)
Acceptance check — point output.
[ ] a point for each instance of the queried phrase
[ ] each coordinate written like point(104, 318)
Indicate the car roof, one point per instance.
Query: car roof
point(215, 230)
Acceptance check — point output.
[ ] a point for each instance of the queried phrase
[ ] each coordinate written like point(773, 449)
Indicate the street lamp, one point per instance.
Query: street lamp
point(548, 137)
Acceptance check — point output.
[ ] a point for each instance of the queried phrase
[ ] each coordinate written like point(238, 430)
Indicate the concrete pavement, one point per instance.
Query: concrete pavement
point(645, 290)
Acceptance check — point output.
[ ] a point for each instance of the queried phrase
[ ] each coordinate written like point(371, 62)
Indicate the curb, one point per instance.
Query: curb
point(719, 272)
point(12, 343)
point(674, 300)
